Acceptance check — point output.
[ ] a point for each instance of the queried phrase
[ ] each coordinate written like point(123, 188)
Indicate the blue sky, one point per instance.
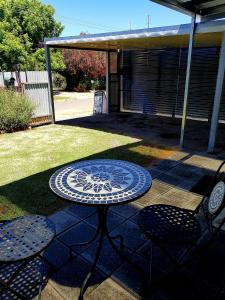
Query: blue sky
point(105, 15)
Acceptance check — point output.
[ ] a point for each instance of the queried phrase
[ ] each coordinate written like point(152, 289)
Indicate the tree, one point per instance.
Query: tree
point(23, 25)
point(83, 66)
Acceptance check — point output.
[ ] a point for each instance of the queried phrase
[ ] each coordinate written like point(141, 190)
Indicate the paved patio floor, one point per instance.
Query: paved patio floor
point(160, 129)
point(113, 278)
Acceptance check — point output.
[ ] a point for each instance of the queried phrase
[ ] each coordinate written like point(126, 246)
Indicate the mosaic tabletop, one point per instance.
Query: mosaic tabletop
point(101, 182)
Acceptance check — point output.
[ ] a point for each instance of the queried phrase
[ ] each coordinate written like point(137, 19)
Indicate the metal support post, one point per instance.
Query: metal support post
point(217, 97)
point(187, 81)
point(107, 81)
point(48, 67)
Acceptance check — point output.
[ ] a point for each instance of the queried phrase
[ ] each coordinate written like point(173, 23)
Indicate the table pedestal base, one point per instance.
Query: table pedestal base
point(102, 232)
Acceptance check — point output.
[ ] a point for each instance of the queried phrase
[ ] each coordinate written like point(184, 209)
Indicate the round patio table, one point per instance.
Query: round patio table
point(101, 183)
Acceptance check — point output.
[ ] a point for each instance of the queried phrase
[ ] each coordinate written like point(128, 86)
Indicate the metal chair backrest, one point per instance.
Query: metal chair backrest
point(213, 201)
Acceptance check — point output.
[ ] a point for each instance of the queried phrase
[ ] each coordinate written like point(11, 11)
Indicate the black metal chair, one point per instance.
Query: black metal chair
point(167, 225)
point(23, 271)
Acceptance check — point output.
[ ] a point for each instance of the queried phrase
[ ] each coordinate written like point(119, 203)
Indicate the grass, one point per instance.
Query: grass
point(29, 158)
point(61, 98)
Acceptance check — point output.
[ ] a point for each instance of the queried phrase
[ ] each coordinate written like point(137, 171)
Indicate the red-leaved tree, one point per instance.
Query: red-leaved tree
point(82, 67)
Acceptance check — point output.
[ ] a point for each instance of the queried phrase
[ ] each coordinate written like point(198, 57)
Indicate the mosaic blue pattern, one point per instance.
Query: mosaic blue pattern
point(101, 181)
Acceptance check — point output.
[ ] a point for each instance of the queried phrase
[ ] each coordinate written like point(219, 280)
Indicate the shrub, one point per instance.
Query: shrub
point(99, 84)
point(59, 82)
point(15, 111)
point(84, 86)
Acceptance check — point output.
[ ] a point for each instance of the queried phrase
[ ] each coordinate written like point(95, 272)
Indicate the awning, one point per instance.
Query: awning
point(207, 34)
point(207, 10)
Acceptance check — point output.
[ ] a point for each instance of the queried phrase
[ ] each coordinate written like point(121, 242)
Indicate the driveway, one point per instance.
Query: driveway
point(72, 104)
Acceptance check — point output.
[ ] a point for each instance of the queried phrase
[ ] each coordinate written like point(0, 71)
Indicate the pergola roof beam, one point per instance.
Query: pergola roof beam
point(208, 4)
point(207, 34)
point(207, 9)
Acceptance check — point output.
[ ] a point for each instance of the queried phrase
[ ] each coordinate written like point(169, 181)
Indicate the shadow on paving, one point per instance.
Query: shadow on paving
point(203, 278)
point(161, 129)
point(32, 194)
point(76, 224)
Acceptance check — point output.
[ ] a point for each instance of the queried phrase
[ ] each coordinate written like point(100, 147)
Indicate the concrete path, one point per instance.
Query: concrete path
point(69, 105)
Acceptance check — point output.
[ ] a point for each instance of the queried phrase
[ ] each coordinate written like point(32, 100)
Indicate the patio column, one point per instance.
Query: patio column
point(217, 97)
point(107, 80)
point(48, 67)
point(187, 81)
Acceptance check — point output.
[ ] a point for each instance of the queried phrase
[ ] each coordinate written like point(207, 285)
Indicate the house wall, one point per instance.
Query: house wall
point(153, 82)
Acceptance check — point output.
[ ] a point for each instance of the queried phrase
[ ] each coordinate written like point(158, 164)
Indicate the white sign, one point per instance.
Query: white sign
point(98, 102)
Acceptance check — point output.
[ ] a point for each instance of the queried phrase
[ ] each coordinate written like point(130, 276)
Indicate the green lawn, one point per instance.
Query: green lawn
point(61, 98)
point(28, 158)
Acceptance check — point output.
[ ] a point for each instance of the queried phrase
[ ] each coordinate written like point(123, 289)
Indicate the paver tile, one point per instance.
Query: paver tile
point(181, 198)
point(132, 235)
point(154, 172)
point(56, 254)
point(113, 220)
point(80, 233)
point(186, 171)
point(126, 210)
point(169, 179)
point(200, 160)
point(135, 276)
point(147, 199)
point(166, 164)
point(49, 293)
point(80, 211)
point(180, 155)
point(109, 260)
point(159, 187)
point(67, 281)
point(63, 220)
point(110, 290)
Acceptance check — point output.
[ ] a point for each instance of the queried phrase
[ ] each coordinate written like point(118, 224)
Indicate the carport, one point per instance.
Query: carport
point(164, 87)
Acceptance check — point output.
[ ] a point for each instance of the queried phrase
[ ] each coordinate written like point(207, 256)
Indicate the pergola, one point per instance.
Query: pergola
point(205, 10)
point(204, 34)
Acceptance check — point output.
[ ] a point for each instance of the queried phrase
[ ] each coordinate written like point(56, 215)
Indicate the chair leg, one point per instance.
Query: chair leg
point(150, 265)
point(40, 290)
point(119, 236)
point(148, 283)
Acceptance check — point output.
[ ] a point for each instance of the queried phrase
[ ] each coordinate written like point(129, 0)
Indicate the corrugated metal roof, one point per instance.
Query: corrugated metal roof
point(208, 10)
point(207, 34)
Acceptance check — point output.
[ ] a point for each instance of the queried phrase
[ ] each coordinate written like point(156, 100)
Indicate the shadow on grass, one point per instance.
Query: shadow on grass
point(32, 194)
point(130, 124)
point(162, 129)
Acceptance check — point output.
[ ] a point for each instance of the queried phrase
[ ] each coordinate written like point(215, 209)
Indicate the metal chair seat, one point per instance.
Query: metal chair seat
point(25, 237)
point(22, 270)
point(169, 224)
point(29, 281)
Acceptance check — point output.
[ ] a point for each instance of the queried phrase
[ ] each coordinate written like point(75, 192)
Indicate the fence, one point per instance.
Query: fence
point(35, 86)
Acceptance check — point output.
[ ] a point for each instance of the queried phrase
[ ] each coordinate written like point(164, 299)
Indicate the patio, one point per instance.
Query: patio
point(156, 129)
point(176, 179)
point(174, 183)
